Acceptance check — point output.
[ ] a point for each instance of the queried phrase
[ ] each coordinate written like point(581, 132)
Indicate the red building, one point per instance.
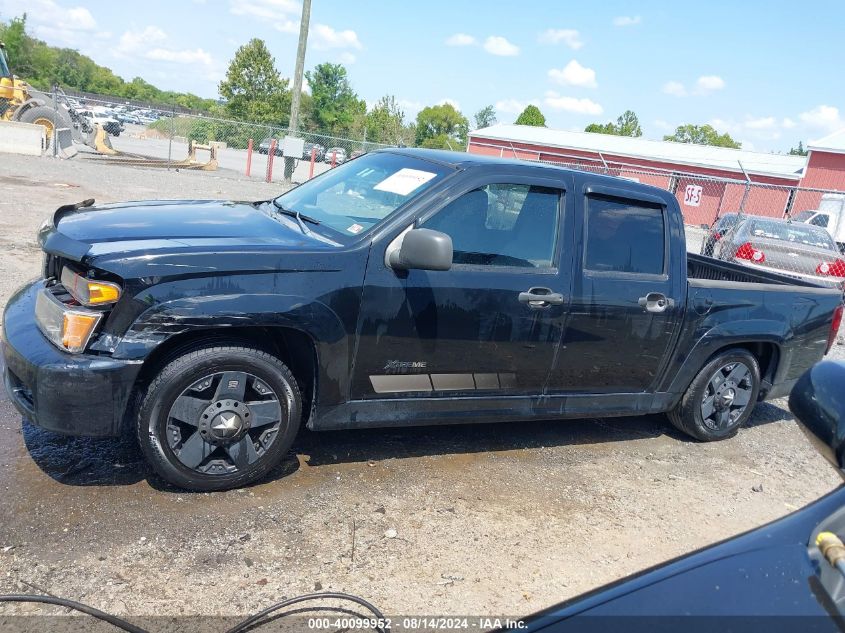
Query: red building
point(708, 181)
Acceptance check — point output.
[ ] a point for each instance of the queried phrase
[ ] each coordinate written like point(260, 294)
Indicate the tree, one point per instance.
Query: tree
point(485, 117)
point(531, 115)
point(702, 135)
point(628, 124)
point(253, 89)
point(441, 127)
point(334, 105)
point(385, 122)
point(799, 151)
point(19, 46)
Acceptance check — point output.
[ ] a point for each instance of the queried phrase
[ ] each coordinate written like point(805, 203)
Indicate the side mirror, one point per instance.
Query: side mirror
point(818, 402)
point(421, 249)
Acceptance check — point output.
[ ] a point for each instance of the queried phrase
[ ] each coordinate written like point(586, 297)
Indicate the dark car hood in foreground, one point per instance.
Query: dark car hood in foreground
point(223, 234)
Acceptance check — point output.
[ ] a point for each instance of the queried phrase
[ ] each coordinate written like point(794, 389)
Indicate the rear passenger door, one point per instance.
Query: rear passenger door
point(626, 294)
point(474, 329)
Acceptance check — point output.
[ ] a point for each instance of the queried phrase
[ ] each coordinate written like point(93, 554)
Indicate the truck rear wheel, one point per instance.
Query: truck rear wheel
point(721, 397)
point(219, 417)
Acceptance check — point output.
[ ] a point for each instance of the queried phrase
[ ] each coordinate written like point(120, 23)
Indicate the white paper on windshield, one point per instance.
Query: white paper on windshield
point(404, 181)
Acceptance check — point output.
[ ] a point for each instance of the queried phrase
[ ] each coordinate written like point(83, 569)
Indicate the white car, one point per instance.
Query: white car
point(336, 155)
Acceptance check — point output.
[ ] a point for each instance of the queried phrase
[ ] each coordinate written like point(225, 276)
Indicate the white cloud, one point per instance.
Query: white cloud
point(461, 39)
point(709, 83)
point(627, 20)
point(286, 25)
point(53, 22)
point(726, 125)
point(510, 106)
point(133, 41)
point(187, 56)
point(661, 124)
point(674, 88)
point(761, 123)
point(788, 123)
point(284, 14)
point(823, 117)
point(570, 37)
point(573, 74)
point(151, 43)
point(704, 85)
point(266, 9)
point(497, 45)
point(346, 58)
point(451, 102)
point(572, 104)
point(325, 37)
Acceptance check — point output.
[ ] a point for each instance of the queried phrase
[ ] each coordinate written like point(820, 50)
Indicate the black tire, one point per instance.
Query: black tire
point(209, 384)
point(36, 114)
point(729, 414)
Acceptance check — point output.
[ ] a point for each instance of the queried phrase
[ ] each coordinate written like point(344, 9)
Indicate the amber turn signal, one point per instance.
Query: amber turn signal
point(77, 329)
point(89, 292)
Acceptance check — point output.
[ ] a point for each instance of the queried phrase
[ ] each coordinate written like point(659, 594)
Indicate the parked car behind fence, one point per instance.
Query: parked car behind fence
point(790, 248)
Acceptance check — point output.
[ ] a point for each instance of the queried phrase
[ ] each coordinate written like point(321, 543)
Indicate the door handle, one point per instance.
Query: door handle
point(540, 298)
point(656, 302)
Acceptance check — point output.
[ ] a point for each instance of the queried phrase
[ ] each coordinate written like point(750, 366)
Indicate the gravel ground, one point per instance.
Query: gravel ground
point(475, 519)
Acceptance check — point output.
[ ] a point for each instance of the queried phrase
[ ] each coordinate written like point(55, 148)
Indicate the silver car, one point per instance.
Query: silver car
point(781, 246)
point(336, 155)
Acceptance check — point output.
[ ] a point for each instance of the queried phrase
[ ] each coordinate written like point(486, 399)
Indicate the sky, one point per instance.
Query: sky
point(768, 73)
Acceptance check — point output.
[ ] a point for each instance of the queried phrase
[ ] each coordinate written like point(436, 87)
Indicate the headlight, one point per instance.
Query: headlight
point(89, 292)
point(67, 328)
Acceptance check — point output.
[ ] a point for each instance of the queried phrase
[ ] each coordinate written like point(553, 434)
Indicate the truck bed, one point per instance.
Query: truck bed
point(703, 267)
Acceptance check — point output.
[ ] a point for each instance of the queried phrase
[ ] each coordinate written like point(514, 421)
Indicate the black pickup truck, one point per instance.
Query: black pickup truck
point(404, 287)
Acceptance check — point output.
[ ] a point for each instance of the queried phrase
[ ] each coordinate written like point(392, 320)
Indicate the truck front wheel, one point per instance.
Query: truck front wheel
point(219, 417)
point(721, 397)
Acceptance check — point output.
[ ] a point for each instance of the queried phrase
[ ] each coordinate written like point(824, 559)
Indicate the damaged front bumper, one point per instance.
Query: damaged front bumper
point(73, 394)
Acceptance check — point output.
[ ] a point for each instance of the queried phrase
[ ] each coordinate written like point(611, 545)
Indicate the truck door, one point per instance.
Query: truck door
point(626, 294)
point(489, 326)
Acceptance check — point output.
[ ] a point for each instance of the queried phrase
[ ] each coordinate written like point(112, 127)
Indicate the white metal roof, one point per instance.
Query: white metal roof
point(831, 143)
point(779, 165)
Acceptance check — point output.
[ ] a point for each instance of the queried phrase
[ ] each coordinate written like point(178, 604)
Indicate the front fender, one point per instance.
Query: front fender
point(163, 321)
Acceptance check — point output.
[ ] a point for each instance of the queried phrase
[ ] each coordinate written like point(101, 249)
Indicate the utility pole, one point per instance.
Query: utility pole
point(297, 83)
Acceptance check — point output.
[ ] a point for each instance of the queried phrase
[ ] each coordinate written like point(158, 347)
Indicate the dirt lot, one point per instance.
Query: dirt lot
point(476, 519)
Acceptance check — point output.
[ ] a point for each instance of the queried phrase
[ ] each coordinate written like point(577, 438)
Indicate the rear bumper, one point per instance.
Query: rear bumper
point(72, 394)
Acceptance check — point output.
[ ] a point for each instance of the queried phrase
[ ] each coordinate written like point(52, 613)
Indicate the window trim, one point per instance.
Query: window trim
point(516, 180)
point(591, 192)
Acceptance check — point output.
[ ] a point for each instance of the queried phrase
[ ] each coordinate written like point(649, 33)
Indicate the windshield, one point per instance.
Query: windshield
point(791, 232)
point(357, 195)
point(4, 65)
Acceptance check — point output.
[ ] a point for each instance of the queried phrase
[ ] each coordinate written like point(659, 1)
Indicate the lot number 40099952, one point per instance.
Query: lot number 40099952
point(692, 195)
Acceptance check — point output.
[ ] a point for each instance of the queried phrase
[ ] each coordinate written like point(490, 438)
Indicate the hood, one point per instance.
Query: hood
point(170, 230)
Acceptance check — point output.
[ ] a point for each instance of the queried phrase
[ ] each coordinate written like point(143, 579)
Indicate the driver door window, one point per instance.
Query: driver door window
point(510, 225)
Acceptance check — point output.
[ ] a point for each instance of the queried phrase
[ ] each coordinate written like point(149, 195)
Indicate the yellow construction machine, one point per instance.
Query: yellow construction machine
point(20, 102)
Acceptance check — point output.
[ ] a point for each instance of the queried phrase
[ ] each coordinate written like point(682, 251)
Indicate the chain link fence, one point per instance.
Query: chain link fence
point(785, 229)
point(185, 139)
